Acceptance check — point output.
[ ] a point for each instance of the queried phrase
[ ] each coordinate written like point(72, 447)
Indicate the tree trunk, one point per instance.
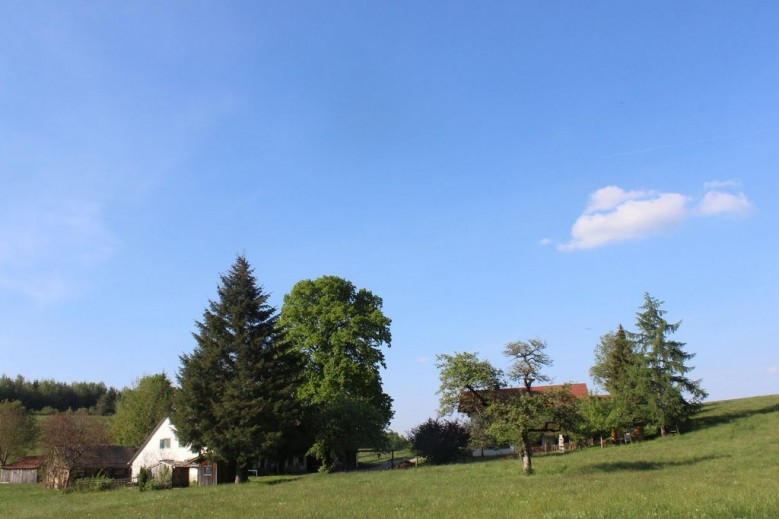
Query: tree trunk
point(241, 475)
point(663, 430)
point(527, 452)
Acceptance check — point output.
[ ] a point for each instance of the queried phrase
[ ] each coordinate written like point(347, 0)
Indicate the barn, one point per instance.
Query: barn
point(24, 470)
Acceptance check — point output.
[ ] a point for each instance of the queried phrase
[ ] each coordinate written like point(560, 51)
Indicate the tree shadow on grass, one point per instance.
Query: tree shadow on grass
point(644, 465)
point(701, 422)
point(275, 480)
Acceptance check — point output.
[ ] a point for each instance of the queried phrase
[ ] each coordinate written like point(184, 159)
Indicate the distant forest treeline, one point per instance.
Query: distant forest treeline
point(47, 396)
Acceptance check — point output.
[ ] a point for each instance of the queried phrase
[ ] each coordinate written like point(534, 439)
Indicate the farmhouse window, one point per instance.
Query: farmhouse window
point(165, 443)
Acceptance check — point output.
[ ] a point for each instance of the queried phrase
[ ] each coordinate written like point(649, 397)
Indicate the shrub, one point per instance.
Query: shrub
point(144, 479)
point(440, 441)
point(163, 480)
point(99, 482)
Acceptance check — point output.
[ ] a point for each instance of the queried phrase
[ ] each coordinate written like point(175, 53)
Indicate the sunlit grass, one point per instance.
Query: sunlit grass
point(727, 467)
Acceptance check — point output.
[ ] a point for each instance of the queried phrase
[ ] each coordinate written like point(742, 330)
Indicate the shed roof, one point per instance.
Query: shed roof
point(27, 462)
point(107, 456)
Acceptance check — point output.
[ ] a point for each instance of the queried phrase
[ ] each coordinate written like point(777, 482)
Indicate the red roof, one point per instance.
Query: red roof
point(467, 401)
point(578, 390)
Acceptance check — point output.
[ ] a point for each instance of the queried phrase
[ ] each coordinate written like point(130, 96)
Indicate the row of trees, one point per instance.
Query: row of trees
point(259, 384)
point(51, 395)
point(138, 409)
point(266, 385)
point(645, 373)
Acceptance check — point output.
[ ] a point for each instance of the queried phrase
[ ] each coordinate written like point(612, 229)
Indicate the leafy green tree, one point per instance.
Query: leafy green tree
point(469, 384)
point(478, 426)
point(464, 375)
point(141, 407)
point(672, 397)
point(344, 425)
point(596, 412)
point(237, 396)
point(340, 331)
point(18, 431)
point(515, 418)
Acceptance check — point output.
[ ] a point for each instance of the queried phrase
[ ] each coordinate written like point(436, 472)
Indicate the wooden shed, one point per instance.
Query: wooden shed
point(24, 470)
point(112, 461)
point(212, 473)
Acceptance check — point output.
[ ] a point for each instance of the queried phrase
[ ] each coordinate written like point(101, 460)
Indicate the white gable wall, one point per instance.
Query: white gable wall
point(153, 451)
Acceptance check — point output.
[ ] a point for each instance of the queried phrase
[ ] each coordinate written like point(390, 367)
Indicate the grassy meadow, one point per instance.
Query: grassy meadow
point(726, 467)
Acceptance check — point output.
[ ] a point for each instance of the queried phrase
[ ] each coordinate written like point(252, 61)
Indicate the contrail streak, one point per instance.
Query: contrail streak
point(688, 143)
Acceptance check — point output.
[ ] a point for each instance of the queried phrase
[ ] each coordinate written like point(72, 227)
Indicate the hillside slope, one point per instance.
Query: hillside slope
point(726, 467)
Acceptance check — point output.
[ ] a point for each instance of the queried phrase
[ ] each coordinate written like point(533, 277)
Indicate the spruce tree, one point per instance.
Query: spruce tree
point(238, 387)
point(671, 397)
point(621, 369)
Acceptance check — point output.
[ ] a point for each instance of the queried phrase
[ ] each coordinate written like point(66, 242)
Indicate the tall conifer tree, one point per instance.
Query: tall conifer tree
point(238, 387)
point(671, 396)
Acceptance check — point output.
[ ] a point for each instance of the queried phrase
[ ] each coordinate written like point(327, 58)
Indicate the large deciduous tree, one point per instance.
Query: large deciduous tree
point(340, 330)
point(67, 436)
point(141, 407)
point(513, 419)
point(17, 430)
point(672, 397)
point(237, 396)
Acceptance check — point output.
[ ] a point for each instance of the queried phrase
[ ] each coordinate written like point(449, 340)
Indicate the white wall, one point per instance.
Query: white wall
point(151, 454)
point(494, 452)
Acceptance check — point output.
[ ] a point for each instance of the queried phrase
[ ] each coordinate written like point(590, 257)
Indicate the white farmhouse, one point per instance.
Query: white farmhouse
point(162, 452)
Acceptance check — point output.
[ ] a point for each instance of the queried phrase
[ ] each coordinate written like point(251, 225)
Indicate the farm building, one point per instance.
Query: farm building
point(162, 452)
point(106, 460)
point(24, 470)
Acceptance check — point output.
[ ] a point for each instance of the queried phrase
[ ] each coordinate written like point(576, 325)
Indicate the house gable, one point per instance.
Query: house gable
point(162, 446)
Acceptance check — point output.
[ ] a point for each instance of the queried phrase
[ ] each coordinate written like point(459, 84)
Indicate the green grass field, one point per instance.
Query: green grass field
point(727, 467)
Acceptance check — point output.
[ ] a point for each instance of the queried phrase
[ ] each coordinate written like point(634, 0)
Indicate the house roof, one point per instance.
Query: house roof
point(578, 390)
point(107, 456)
point(28, 462)
point(469, 401)
point(148, 438)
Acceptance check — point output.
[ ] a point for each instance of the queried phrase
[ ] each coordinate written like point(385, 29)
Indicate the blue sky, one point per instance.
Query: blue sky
point(494, 172)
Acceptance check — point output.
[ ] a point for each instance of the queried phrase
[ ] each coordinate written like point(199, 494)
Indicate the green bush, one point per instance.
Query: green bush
point(100, 482)
point(163, 480)
point(144, 479)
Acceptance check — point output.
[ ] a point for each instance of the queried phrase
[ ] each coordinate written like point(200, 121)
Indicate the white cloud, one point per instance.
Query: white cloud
point(631, 219)
point(614, 214)
point(773, 370)
point(610, 197)
point(720, 203)
point(422, 360)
